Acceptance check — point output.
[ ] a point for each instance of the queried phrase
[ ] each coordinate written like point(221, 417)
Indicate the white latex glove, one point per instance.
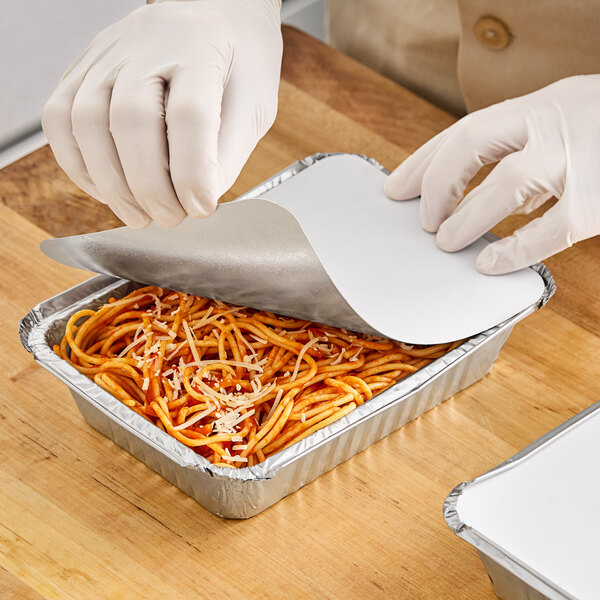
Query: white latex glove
point(548, 144)
point(159, 114)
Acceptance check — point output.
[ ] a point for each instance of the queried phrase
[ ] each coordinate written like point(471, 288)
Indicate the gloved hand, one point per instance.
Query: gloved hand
point(159, 114)
point(548, 144)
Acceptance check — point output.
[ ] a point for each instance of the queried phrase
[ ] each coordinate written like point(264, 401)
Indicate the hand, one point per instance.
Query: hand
point(548, 144)
point(159, 114)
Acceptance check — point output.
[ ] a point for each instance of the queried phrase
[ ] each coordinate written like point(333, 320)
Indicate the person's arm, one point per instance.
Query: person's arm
point(159, 114)
point(548, 144)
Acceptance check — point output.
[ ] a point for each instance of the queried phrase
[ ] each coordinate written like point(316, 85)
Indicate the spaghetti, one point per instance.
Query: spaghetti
point(234, 384)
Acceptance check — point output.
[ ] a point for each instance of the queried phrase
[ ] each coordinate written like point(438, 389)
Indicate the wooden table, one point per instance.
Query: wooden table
point(80, 518)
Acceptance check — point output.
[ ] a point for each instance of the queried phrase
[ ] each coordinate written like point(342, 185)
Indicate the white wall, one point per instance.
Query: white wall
point(308, 15)
point(38, 41)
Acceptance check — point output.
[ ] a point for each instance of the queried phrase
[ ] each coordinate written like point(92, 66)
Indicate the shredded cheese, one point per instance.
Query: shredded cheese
point(230, 458)
point(175, 351)
point(132, 345)
point(232, 363)
point(275, 404)
point(230, 419)
point(160, 324)
point(191, 341)
point(338, 358)
point(354, 357)
point(197, 417)
point(204, 319)
point(301, 354)
point(230, 398)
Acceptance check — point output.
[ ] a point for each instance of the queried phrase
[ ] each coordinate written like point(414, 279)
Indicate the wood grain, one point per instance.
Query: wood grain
point(356, 91)
point(13, 589)
point(81, 518)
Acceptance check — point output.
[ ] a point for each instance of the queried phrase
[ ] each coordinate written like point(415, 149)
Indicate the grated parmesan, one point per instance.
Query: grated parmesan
point(175, 351)
point(160, 324)
point(354, 357)
point(338, 358)
point(132, 345)
point(190, 339)
point(301, 354)
point(197, 417)
point(232, 363)
point(230, 419)
point(230, 458)
point(275, 405)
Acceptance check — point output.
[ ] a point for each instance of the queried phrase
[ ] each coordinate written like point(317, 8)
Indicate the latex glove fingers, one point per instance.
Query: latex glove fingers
point(548, 145)
point(193, 122)
point(533, 203)
point(442, 168)
point(56, 115)
point(404, 182)
point(91, 125)
point(536, 241)
point(515, 182)
point(56, 122)
point(477, 141)
point(245, 118)
point(136, 123)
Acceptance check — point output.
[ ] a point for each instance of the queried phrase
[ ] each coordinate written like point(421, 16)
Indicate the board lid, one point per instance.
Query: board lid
point(323, 242)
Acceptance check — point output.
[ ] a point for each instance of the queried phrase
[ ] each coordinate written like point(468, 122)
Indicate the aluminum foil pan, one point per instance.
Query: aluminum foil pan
point(244, 492)
point(247, 491)
point(512, 577)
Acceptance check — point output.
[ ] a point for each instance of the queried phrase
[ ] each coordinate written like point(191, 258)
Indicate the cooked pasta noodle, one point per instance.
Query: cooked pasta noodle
point(234, 384)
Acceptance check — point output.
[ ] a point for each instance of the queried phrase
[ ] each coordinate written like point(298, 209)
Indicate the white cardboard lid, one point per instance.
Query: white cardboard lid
point(325, 244)
point(391, 271)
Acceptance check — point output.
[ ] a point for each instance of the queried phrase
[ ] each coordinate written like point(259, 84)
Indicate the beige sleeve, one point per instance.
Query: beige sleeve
point(549, 40)
point(439, 49)
point(410, 41)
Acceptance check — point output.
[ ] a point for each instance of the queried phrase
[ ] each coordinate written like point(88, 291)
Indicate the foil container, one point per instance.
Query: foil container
point(511, 577)
point(244, 492)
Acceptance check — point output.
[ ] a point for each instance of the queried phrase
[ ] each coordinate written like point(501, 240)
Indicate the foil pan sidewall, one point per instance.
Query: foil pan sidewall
point(507, 585)
point(507, 572)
